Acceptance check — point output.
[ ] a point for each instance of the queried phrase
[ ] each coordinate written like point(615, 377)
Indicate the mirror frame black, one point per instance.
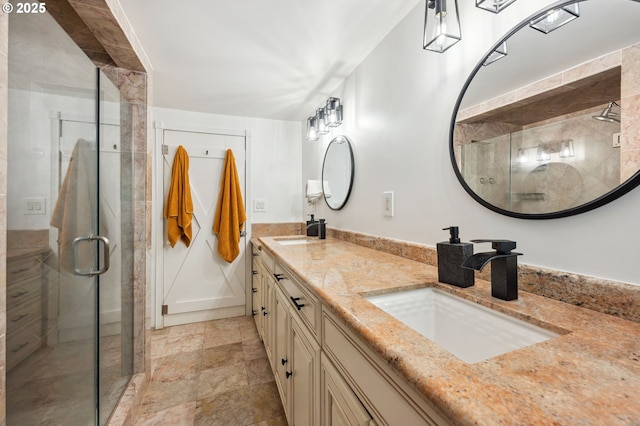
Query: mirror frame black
point(610, 196)
point(346, 198)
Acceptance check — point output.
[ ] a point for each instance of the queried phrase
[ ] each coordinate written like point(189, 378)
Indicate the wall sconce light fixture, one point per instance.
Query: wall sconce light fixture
point(610, 114)
point(555, 18)
point(328, 116)
point(312, 129)
point(499, 53)
point(495, 6)
point(441, 25)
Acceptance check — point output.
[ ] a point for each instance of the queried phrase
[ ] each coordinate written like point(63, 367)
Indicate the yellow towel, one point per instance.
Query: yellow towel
point(179, 207)
point(230, 215)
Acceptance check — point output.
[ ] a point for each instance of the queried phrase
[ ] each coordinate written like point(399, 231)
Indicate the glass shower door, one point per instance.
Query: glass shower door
point(70, 239)
point(115, 210)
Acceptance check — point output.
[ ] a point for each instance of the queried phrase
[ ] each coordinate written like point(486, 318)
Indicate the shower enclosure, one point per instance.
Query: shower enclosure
point(70, 232)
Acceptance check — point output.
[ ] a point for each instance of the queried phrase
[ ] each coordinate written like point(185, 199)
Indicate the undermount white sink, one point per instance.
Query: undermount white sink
point(293, 241)
point(469, 331)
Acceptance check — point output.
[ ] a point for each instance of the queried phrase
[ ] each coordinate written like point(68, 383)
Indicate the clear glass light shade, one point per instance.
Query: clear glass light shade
point(333, 112)
point(312, 129)
point(555, 18)
point(495, 6)
point(543, 154)
point(522, 156)
point(441, 25)
point(499, 53)
point(566, 148)
point(321, 122)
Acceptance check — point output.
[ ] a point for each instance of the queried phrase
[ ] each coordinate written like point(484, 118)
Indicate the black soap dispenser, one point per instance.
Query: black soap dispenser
point(312, 227)
point(451, 256)
point(322, 226)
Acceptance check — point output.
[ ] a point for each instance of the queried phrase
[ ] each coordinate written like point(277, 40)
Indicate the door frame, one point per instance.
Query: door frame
point(157, 207)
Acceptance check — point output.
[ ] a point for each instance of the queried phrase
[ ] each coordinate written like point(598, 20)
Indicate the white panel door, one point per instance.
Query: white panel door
point(197, 284)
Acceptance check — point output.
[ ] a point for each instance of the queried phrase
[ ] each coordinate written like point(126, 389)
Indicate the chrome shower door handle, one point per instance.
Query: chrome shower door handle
point(106, 254)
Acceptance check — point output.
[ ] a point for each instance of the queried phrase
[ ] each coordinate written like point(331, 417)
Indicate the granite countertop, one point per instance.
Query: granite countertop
point(590, 374)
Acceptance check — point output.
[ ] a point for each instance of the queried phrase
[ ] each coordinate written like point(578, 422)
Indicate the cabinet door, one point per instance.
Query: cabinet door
point(282, 334)
point(340, 406)
point(305, 385)
point(256, 296)
point(267, 316)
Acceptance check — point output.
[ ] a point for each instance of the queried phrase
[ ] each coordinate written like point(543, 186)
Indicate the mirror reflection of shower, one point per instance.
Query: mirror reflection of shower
point(610, 114)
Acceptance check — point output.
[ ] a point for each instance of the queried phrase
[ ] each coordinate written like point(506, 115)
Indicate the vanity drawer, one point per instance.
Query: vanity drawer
point(382, 392)
point(298, 296)
point(23, 314)
point(23, 343)
point(22, 269)
point(24, 291)
point(267, 261)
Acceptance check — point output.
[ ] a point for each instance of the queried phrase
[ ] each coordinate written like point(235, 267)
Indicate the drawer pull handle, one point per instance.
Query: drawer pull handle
point(295, 302)
point(262, 308)
point(254, 272)
point(284, 361)
point(253, 289)
point(265, 313)
point(288, 374)
point(19, 294)
point(254, 313)
point(19, 348)
point(279, 277)
point(20, 317)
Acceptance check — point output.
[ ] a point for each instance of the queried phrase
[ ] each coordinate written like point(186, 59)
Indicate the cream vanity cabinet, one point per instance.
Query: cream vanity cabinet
point(297, 352)
point(24, 312)
point(325, 374)
point(256, 288)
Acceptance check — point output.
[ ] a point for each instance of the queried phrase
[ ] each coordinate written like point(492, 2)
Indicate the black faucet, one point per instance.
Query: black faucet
point(504, 267)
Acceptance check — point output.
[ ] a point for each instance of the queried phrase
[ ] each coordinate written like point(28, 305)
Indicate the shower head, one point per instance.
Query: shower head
point(608, 114)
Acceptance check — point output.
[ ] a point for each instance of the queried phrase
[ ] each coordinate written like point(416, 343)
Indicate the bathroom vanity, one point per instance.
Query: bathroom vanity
point(339, 359)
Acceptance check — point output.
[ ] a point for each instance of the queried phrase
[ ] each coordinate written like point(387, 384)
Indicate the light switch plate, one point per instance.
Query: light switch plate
point(387, 203)
point(616, 140)
point(259, 205)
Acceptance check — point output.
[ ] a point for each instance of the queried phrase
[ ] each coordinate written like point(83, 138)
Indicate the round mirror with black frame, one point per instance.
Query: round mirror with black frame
point(337, 172)
point(552, 129)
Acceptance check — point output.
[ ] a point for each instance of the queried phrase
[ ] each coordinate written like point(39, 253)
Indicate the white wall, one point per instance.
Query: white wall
point(398, 105)
point(275, 159)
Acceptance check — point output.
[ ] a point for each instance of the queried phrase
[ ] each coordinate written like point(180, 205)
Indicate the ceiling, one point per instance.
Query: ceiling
point(276, 59)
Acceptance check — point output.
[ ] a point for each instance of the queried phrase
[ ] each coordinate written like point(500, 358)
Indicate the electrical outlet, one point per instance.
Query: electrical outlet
point(388, 203)
point(259, 205)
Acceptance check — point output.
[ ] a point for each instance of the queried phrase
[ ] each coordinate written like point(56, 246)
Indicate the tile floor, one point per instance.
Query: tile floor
point(55, 384)
point(210, 373)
